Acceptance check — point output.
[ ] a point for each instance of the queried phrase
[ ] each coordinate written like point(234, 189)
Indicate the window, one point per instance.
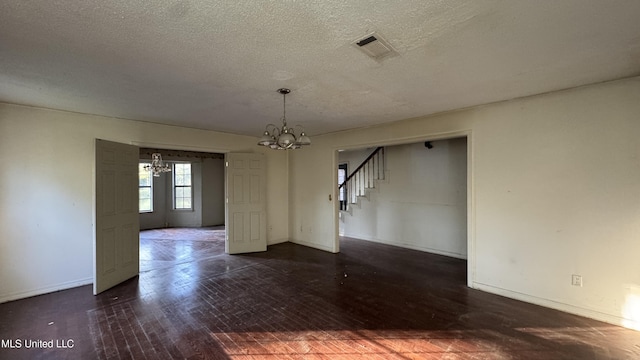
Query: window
point(182, 193)
point(342, 177)
point(145, 188)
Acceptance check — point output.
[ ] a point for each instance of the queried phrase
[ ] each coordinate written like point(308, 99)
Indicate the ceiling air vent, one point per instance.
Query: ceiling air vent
point(375, 46)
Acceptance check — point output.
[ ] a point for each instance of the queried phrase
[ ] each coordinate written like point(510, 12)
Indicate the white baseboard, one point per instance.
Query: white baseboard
point(313, 245)
point(277, 241)
point(45, 290)
point(571, 309)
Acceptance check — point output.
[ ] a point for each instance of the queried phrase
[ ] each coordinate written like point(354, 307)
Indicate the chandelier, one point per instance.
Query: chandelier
point(283, 138)
point(157, 166)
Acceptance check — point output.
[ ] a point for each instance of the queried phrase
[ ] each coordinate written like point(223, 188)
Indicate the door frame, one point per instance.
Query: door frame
point(139, 144)
point(471, 216)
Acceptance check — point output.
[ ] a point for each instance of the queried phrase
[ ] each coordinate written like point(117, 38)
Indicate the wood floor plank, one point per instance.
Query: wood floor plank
point(371, 301)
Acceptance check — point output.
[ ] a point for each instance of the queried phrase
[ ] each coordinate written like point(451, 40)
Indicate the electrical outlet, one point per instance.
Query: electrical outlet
point(576, 280)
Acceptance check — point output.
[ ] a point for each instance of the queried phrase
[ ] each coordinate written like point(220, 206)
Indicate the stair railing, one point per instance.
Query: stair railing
point(362, 178)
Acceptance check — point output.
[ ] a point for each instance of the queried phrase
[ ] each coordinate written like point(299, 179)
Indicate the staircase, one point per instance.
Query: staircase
point(362, 178)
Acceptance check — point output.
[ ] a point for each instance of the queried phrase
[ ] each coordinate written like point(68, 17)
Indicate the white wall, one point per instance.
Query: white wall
point(422, 202)
point(354, 157)
point(46, 190)
point(555, 191)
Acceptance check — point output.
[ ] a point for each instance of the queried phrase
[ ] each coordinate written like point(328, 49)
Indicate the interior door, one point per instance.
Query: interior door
point(117, 225)
point(246, 217)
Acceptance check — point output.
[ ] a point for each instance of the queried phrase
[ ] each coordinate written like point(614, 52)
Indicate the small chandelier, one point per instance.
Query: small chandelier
point(157, 166)
point(283, 138)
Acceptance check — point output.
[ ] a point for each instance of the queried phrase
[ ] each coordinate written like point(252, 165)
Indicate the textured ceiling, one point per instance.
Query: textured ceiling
point(217, 64)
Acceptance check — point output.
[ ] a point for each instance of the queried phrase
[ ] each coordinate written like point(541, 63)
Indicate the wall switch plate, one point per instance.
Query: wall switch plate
point(576, 280)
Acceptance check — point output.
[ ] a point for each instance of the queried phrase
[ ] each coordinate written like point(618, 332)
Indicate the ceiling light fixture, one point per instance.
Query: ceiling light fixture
point(157, 166)
point(283, 138)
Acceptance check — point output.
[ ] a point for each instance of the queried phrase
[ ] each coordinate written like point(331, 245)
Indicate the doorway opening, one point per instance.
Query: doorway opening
point(343, 173)
point(116, 255)
point(182, 212)
point(420, 202)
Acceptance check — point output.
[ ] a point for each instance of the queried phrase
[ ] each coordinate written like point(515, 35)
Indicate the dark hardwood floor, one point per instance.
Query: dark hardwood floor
point(371, 301)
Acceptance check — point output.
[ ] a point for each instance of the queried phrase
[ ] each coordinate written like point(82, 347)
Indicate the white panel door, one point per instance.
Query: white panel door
point(246, 217)
point(117, 225)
